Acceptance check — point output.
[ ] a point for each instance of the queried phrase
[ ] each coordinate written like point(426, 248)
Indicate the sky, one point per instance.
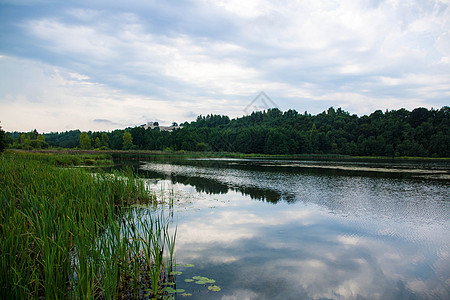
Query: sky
point(104, 65)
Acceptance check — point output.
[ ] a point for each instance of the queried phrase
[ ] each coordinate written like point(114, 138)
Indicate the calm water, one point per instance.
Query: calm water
point(309, 230)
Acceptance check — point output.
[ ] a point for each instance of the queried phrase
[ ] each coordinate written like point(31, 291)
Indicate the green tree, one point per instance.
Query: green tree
point(97, 143)
point(421, 132)
point(138, 135)
point(127, 140)
point(105, 140)
point(314, 138)
point(2, 140)
point(85, 141)
point(440, 144)
point(25, 142)
point(116, 139)
point(201, 147)
point(41, 144)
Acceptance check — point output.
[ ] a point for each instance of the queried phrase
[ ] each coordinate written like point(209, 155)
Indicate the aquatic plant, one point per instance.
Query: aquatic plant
point(214, 288)
point(201, 280)
point(66, 233)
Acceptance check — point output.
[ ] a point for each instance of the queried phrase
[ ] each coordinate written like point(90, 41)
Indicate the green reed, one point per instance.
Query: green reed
point(68, 158)
point(67, 233)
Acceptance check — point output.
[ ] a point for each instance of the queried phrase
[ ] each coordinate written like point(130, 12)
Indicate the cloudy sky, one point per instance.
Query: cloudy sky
point(101, 65)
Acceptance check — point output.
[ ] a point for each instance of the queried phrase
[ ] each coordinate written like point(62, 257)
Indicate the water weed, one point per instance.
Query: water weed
point(65, 233)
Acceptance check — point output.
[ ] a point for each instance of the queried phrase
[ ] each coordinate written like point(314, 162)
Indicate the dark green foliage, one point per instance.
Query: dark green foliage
point(68, 139)
point(2, 140)
point(28, 141)
point(421, 132)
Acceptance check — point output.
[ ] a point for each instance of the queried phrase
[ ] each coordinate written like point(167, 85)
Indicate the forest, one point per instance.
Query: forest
point(418, 133)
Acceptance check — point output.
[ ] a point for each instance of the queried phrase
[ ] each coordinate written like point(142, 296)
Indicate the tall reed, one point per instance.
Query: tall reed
point(66, 233)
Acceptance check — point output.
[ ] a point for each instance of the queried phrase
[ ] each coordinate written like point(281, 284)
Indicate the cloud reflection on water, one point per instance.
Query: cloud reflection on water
point(284, 253)
point(306, 250)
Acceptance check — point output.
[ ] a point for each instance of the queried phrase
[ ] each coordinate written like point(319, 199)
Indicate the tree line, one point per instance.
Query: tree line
point(420, 132)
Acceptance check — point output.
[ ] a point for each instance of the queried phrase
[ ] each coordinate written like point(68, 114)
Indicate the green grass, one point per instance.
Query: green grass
point(143, 155)
point(95, 157)
point(66, 233)
point(67, 158)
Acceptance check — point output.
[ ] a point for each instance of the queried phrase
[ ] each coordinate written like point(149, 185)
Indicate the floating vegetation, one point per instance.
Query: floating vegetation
point(214, 288)
point(203, 280)
point(171, 290)
point(189, 265)
point(175, 273)
point(186, 294)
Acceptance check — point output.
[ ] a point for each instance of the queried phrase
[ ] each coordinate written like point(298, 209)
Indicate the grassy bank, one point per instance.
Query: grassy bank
point(143, 155)
point(105, 157)
point(66, 233)
point(68, 158)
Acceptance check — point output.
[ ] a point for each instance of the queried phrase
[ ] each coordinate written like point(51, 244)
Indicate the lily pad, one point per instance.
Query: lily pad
point(201, 278)
point(188, 265)
point(171, 290)
point(214, 288)
point(168, 283)
point(189, 280)
point(186, 294)
point(200, 282)
point(175, 273)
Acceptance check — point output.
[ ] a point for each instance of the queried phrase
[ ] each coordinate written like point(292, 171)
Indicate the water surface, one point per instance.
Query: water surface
point(301, 230)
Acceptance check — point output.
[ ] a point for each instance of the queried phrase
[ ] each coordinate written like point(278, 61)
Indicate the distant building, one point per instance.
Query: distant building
point(170, 128)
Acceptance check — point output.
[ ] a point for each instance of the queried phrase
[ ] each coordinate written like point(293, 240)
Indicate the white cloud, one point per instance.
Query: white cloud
point(35, 95)
point(83, 41)
point(215, 55)
point(198, 62)
point(84, 14)
point(245, 9)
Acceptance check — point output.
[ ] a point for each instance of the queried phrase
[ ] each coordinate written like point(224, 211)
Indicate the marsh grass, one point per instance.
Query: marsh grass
point(65, 233)
point(67, 158)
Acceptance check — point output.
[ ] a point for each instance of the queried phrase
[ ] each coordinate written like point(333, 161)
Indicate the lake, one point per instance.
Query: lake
point(285, 229)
